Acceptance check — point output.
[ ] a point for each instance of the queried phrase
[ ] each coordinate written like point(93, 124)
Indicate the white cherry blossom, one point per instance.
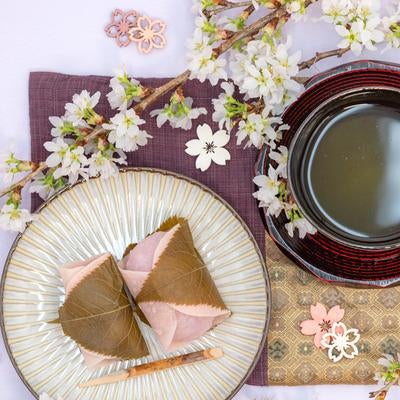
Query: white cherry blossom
point(336, 11)
point(82, 107)
point(303, 227)
point(58, 147)
point(63, 125)
point(351, 38)
point(73, 165)
point(124, 91)
point(267, 70)
point(125, 132)
point(209, 147)
point(268, 189)
point(203, 65)
point(281, 157)
point(44, 186)
point(391, 29)
point(105, 165)
point(13, 218)
point(178, 113)
point(220, 114)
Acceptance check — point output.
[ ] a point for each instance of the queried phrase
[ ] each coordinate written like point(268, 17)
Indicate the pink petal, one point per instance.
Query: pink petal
point(131, 17)
point(158, 41)
point(123, 40)
point(317, 339)
point(157, 26)
point(309, 327)
point(135, 35)
point(117, 16)
point(112, 30)
point(318, 312)
point(335, 314)
point(145, 46)
point(144, 22)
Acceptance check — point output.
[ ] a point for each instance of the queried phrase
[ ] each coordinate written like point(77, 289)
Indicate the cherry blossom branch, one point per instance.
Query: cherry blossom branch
point(161, 90)
point(228, 6)
point(381, 393)
point(278, 14)
point(98, 130)
point(321, 56)
point(36, 169)
point(251, 29)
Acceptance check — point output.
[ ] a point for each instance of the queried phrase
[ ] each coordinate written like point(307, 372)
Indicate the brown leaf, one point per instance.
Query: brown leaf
point(128, 249)
point(98, 316)
point(180, 275)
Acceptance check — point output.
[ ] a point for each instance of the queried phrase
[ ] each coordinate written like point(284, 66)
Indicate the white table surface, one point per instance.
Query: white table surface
point(68, 37)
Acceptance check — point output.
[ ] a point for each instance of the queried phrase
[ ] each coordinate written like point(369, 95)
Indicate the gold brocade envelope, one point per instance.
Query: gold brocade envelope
point(293, 358)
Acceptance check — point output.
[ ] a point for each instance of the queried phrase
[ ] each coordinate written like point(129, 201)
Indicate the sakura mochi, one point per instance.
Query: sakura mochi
point(97, 313)
point(172, 285)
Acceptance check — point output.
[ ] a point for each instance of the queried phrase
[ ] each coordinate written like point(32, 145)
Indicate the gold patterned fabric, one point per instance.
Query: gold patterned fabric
point(293, 358)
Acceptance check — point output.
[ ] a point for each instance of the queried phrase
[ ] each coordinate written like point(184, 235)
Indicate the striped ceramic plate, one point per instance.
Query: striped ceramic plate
point(105, 215)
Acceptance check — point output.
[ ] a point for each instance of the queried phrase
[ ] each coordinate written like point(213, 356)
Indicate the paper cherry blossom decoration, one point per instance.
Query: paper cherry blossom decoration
point(121, 23)
point(321, 322)
point(209, 147)
point(128, 27)
point(148, 34)
point(341, 342)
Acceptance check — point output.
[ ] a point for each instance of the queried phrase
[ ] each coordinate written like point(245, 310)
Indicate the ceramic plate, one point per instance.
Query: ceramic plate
point(105, 215)
point(324, 256)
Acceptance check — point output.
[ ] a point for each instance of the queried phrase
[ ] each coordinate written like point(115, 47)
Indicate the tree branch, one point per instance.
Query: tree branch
point(321, 56)
point(160, 91)
point(229, 6)
point(27, 178)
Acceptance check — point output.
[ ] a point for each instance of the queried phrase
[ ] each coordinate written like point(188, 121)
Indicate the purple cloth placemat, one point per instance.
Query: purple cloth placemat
point(49, 92)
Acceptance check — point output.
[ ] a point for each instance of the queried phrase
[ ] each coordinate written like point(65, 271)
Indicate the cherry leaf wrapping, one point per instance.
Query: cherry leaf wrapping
point(172, 285)
point(97, 313)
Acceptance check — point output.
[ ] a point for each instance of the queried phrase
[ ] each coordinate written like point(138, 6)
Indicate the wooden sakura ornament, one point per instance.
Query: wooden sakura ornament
point(148, 34)
point(121, 23)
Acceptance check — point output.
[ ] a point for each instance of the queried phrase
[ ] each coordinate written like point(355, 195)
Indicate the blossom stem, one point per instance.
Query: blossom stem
point(36, 169)
point(381, 393)
point(98, 130)
point(161, 90)
point(321, 56)
point(228, 6)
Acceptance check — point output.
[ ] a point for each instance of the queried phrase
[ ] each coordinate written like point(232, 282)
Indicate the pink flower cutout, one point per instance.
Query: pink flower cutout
point(322, 322)
point(148, 34)
point(121, 23)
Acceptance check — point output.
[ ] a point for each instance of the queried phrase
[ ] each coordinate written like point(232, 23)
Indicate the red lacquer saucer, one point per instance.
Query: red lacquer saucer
point(326, 258)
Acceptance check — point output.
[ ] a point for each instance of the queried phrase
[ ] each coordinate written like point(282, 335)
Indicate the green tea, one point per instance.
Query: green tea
point(354, 170)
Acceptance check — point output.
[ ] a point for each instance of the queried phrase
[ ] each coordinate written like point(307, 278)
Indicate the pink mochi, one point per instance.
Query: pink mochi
point(175, 325)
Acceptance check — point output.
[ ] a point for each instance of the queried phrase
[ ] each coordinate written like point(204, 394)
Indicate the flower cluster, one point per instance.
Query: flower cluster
point(359, 24)
point(83, 146)
point(266, 70)
point(331, 334)
point(203, 62)
point(124, 91)
point(11, 166)
point(388, 376)
point(178, 112)
point(274, 195)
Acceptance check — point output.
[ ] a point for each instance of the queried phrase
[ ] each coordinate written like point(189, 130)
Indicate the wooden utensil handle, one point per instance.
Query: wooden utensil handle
point(154, 366)
point(174, 362)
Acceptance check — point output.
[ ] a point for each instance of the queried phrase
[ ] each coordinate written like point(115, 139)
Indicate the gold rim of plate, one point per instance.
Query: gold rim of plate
point(255, 347)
